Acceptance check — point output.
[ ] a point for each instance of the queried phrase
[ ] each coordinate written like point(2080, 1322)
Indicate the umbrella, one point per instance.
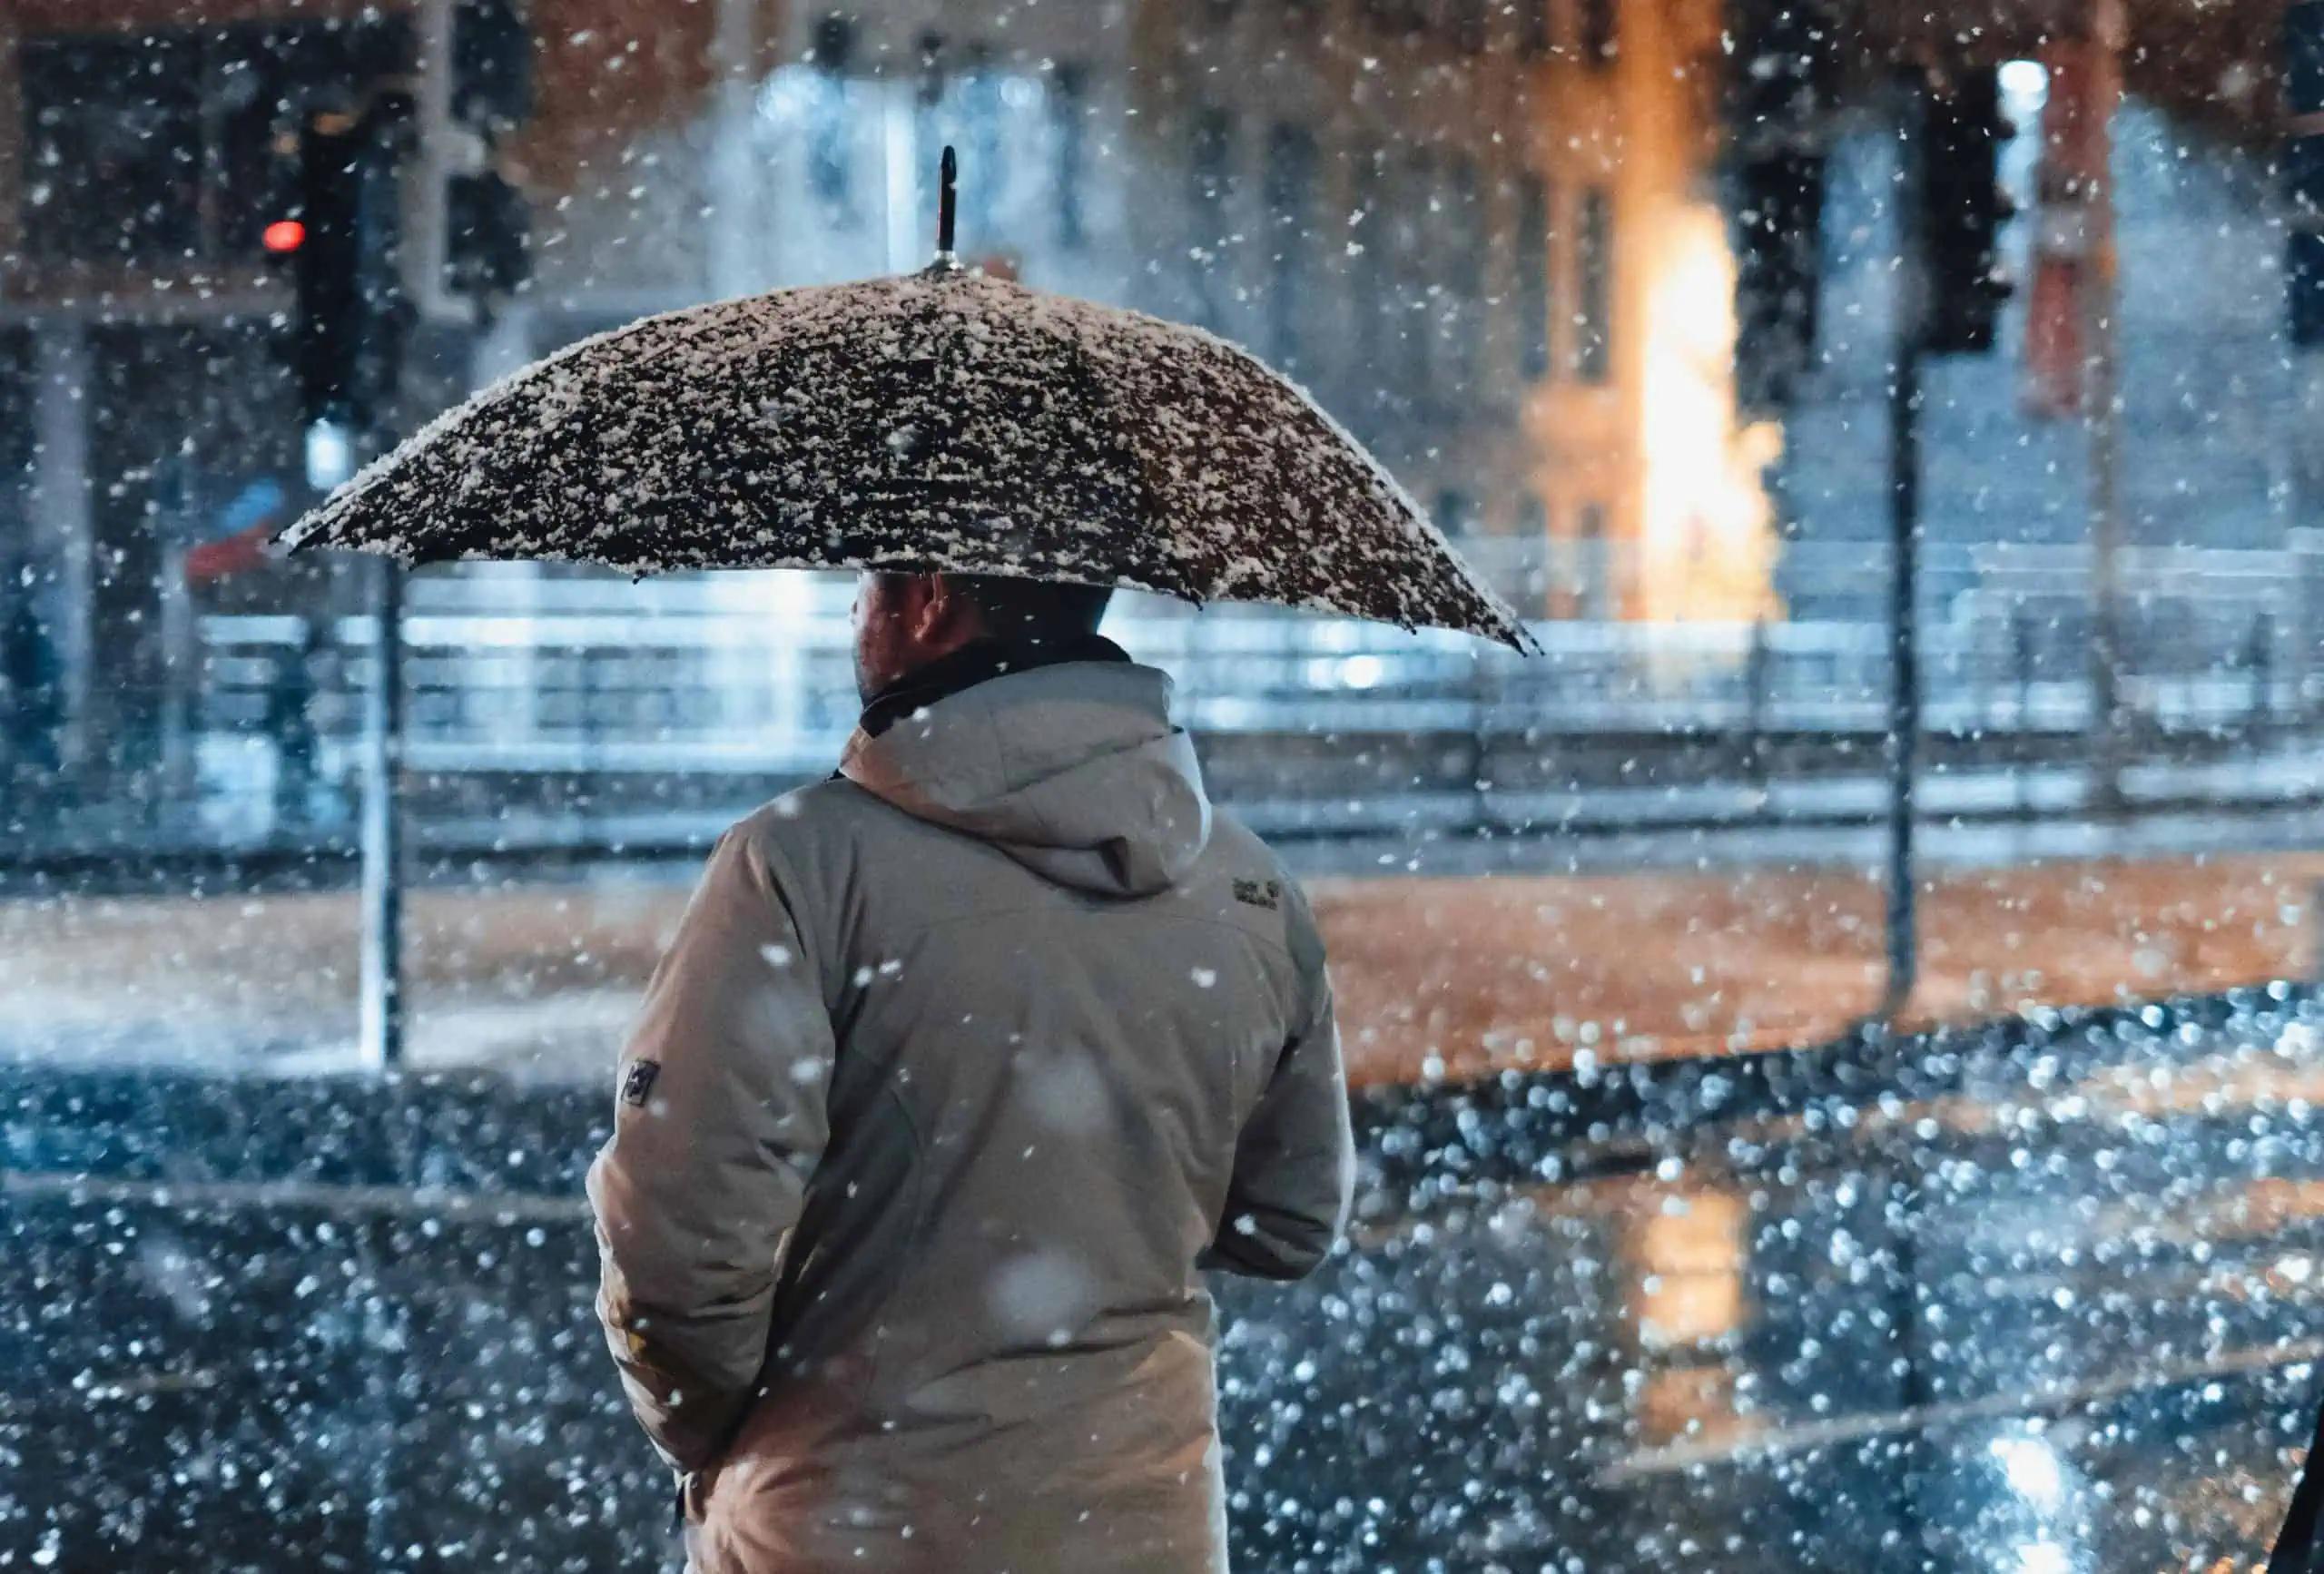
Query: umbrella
point(936, 421)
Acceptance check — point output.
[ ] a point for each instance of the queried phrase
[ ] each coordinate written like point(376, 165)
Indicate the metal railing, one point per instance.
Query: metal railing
point(579, 678)
point(534, 691)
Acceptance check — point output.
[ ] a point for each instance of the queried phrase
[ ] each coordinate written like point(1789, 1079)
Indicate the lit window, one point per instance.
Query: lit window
point(1532, 293)
point(1593, 267)
point(1464, 304)
point(1599, 41)
point(1530, 560)
point(1594, 560)
point(1466, 18)
point(1533, 27)
point(1290, 194)
point(1416, 223)
point(1373, 286)
point(1210, 177)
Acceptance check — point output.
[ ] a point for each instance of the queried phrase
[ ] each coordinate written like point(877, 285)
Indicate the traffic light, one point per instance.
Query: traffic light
point(341, 245)
point(1781, 96)
point(1959, 209)
point(2304, 170)
point(319, 244)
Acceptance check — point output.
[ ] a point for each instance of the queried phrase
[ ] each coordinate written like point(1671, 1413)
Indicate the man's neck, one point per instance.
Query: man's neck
point(978, 661)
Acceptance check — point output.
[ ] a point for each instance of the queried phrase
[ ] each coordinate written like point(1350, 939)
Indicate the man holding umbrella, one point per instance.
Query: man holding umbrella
point(965, 1063)
point(961, 1066)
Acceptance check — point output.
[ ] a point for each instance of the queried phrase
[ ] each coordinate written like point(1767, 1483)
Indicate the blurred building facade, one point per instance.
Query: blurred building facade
point(1370, 193)
point(2219, 413)
point(1447, 220)
point(1491, 237)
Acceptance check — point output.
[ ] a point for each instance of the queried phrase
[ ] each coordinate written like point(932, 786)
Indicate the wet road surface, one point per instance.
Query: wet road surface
point(2054, 1310)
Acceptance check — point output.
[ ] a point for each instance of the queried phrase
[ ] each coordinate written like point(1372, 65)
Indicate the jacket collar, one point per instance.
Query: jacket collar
point(1073, 769)
point(978, 661)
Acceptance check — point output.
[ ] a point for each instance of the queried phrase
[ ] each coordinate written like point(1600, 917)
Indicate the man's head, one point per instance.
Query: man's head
point(904, 621)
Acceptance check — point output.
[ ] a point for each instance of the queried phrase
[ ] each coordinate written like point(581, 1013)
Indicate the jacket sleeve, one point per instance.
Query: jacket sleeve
point(718, 1122)
point(1294, 1160)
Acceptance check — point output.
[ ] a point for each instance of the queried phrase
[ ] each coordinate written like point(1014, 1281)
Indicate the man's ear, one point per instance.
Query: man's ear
point(942, 617)
point(932, 608)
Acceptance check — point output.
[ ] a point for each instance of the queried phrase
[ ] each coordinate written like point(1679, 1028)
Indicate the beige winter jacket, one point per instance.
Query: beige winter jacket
point(959, 1070)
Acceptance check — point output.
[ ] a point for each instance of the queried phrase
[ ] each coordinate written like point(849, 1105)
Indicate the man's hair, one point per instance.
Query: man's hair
point(1032, 612)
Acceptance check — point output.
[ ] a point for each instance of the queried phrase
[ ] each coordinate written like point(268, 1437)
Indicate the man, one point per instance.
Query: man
point(963, 1064)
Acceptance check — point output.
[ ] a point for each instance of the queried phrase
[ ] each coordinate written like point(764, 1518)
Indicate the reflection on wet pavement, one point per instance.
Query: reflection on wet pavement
point(2054, 1312)
point(2069, 1328)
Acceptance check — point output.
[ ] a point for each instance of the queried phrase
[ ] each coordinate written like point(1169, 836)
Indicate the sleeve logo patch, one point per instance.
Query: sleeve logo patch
point(1266, 893)
point(637, 1083)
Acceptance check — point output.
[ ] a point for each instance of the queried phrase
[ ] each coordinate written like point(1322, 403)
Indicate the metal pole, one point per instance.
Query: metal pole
point(1904, 699)
point(2101, 312)
point(1479, 746)
point(2029, 750)
point(370, 412)
point(183, 676)
point(1903, 580)
point(1759, 675)
point(2261, 655)
point(381, 1043)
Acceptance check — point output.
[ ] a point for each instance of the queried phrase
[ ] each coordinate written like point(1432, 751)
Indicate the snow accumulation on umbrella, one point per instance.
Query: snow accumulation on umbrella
point(941, 420)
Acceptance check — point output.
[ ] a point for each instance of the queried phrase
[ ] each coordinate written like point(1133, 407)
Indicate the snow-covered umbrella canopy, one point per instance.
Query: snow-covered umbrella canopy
point(941, 420)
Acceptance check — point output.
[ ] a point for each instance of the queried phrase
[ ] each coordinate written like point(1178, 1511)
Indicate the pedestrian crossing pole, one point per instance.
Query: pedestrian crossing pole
point(381, 1040)
point(331, 453)
point(1911, 324)
point(2101, 312)
point(352, 320)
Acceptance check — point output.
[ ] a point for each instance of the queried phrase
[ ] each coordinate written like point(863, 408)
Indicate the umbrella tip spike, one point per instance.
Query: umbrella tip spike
point(948, 205)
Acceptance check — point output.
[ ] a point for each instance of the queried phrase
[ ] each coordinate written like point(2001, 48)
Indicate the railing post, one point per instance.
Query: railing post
point(1480, 742)
point(182, 674)
point(2307, 612)
point(592, 772)
point(2316, 951)
point(2027, 750)
point(1759, 677)
point(289, 704)
point(2261, 655)
point(1987, 661)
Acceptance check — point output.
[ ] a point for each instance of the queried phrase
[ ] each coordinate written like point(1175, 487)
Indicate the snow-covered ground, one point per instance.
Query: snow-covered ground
point(1437, 975)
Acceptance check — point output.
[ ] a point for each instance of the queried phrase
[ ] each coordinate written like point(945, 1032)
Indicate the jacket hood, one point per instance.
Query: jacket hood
point(1073, 770)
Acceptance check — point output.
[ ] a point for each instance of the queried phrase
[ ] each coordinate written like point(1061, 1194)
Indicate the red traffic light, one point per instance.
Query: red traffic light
point(283, 236)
